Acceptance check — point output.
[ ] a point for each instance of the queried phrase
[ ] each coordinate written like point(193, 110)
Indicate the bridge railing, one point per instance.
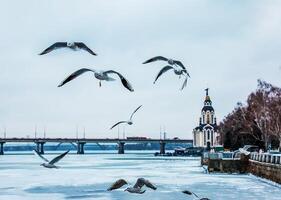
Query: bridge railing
point(266, 158)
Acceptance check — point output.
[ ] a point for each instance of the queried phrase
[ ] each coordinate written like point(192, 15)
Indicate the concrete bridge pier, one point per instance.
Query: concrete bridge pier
point(40, 147)
point(80, 147)
point(162, 147)
point(121, 147)
point(2, 148)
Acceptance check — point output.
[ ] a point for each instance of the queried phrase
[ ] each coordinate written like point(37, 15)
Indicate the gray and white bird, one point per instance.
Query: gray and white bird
point(51, 164)
point(177, 66)
point(130, 121)
point(71, 45)
point(192, 193)
point(100, 75)
point(137, 188)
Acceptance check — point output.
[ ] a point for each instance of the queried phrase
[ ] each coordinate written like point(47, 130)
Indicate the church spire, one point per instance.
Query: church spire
point(207, 91)
point(207, 98)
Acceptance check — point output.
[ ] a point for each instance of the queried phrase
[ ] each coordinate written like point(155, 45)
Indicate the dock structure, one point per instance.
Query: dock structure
point(80, 142)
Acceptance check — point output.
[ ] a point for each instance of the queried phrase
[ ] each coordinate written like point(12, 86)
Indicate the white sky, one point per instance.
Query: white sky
point(227, 46)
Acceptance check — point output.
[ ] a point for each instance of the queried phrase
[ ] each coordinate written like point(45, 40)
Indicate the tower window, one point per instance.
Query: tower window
point(204, 137)
point(208, 119)
point(212, 138)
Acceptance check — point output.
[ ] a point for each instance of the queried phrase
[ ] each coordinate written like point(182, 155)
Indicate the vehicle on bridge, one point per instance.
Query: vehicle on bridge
point(137, 138)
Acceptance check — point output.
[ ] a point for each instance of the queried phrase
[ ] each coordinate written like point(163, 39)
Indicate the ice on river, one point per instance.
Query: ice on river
point(88, 176)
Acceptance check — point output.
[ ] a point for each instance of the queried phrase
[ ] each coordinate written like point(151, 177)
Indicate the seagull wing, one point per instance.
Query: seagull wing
point(135, 112)
point(124, 81)
point(141, 182)
point(38, 154)
point(184, 83)
point(118, 124)
point(156, 58)
point(58, 158)
point(150, 185)
point(81, 45)
point(117, 184)
point(53, 47)
point(75, 75)
point(163, 70)
point(189, 193)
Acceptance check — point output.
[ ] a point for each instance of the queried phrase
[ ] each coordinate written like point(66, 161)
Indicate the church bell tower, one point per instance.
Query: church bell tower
point(206, 133)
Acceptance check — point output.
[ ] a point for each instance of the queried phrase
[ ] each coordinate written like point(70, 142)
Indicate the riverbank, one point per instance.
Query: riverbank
point(87, 176)
point(263, 165)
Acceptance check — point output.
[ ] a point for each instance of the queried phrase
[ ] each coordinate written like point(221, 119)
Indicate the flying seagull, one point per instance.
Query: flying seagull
point(51, 164)
point(100, 75)
point(137, 188)
point(130, 121)
point(192, 193)
point(72, 45)
point(177, 66)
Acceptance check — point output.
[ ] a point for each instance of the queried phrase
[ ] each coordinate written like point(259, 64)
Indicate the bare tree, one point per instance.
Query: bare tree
point(258, 122)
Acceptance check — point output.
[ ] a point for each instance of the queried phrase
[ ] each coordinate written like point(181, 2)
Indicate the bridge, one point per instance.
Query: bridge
point(82, 141)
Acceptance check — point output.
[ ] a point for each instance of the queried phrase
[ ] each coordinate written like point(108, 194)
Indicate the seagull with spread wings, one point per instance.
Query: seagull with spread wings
point(71, 45)
point(177, 66)
point(100, 75)
point(130, 121)
point(137, 188)
point(51, 164)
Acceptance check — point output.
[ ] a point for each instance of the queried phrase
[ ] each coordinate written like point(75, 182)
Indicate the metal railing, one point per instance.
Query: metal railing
point(266, 158)
point(219, 155)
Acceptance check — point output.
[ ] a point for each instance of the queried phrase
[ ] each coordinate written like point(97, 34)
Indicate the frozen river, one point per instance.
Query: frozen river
point(88, 176)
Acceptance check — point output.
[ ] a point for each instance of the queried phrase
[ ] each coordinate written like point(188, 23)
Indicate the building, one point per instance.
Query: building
point(205, 135)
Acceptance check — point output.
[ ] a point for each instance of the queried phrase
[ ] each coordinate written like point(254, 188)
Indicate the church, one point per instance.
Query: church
point(206, 133)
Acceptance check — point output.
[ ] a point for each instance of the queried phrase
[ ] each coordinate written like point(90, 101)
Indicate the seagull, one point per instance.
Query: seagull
point(130, 121)
point(50, 164)
point(192, 193)
point(72, 45)
point(137, 188)
point(177, 66)
point(100, 75)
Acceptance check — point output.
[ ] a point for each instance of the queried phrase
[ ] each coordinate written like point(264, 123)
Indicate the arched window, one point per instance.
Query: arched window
point(212, 138)
point(208, 118)
point(204, 137)
point(208, 131)
point(203, 116)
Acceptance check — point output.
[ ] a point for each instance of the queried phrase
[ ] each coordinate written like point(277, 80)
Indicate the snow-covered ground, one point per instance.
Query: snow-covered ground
point(88, 176)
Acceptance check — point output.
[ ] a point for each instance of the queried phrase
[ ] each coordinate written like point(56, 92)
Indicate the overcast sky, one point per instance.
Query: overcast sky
point(226, 46)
